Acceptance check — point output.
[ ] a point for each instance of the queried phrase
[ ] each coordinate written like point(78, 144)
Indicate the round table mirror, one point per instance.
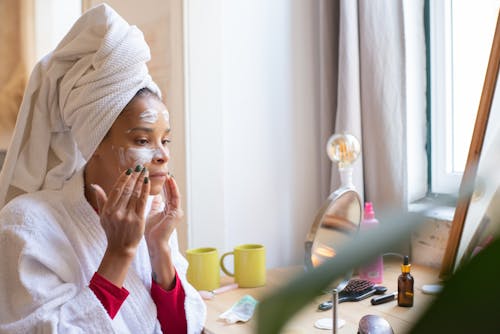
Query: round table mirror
point(336, 222)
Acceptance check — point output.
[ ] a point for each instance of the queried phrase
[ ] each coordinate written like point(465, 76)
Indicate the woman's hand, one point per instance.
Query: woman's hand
point(164, 217)
point(122, 218)
point(161, 222)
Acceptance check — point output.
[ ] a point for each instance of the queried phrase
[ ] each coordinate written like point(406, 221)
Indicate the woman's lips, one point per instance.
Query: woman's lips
point(157, 175)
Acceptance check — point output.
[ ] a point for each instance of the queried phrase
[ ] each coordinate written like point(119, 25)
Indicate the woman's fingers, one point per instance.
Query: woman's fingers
point(100, 196)
point(129, 193)
point(129, 186)
point(136, 190)
point(161, 224)
point(174, 196)
point(167, 188)
point(157, 205)
point(139, 198)
point(117, 190)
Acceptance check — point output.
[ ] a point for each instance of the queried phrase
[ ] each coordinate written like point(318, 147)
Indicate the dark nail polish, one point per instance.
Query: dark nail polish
point(129, 171)
point(144, 170)
point(138, 168)
point(146, 180)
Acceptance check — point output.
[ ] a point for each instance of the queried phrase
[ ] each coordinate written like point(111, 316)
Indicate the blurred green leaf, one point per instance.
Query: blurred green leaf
point(274, 311)
point(469, 302)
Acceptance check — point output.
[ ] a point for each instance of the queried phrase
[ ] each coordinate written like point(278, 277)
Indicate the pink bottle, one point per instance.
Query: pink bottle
point(374, 271)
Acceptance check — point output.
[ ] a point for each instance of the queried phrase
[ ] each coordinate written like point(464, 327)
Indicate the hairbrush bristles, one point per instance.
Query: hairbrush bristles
point(357, 285)
point(355, 290)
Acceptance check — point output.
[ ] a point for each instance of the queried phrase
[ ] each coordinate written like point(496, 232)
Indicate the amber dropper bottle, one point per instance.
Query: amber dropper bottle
point(405, 285)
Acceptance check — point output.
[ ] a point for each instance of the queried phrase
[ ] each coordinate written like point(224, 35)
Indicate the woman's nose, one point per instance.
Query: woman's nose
point(162, 155)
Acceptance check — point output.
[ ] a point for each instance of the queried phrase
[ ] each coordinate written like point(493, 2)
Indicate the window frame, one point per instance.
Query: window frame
point(453, 89)
point(441, 178)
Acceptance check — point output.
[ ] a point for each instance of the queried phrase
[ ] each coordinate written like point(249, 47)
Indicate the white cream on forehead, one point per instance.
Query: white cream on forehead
point(130, 157)
point(151, 115)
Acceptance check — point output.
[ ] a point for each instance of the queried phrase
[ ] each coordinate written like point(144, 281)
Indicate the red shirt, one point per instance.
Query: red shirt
point(169, 304)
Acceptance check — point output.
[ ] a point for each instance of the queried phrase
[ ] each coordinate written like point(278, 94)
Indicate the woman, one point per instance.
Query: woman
point(88, 243)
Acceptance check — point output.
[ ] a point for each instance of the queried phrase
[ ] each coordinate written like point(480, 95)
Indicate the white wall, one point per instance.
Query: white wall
point(252, 139)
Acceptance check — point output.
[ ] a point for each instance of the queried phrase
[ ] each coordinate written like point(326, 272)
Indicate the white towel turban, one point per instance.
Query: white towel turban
point(73, 97)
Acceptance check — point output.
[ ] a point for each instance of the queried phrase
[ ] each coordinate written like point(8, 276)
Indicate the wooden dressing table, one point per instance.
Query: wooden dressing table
point(400, 318)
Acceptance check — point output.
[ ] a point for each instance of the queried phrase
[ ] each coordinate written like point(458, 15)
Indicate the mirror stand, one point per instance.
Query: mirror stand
point(340, 215)
point(462, 220)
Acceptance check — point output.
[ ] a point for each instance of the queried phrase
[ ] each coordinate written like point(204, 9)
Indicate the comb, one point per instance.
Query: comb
point(355, 290)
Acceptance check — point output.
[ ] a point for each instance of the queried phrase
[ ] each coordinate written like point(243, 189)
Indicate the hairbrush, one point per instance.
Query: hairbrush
point(355, 290)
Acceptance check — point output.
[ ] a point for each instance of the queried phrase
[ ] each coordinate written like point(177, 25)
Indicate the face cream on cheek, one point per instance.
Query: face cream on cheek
point(130, 157)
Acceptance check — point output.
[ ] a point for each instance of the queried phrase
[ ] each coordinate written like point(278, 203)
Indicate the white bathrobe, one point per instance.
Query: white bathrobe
point(51, 244)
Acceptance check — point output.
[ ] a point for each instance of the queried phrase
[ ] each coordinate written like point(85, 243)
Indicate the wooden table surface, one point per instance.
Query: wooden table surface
point(400, 318)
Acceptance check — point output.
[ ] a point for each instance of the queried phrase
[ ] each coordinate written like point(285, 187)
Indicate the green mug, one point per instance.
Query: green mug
point(203, 271)
point(249, 265)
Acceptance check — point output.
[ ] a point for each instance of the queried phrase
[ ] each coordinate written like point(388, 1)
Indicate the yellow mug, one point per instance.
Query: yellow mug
point(203, 271)
point(249, 265)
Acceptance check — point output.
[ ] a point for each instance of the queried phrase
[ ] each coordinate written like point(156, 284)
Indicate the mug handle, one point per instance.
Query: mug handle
point(223, 267)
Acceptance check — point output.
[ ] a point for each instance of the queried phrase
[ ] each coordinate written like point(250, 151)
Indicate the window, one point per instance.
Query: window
point(460, 37)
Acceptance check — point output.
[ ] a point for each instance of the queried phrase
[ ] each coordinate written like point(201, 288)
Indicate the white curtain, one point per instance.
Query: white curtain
point(370, 78)
point(328, 72)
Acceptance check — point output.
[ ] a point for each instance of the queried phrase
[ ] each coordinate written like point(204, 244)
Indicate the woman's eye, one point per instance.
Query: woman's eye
point(166, 141)
point(142, 141)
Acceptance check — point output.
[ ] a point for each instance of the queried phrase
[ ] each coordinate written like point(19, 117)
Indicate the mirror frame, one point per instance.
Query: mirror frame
point(311, 235)
point(470, 171)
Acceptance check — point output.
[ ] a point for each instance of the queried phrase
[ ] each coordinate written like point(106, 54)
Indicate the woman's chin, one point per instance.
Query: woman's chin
point(156, 188)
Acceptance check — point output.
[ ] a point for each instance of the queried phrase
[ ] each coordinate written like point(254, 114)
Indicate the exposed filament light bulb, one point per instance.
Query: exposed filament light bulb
point(344, 149)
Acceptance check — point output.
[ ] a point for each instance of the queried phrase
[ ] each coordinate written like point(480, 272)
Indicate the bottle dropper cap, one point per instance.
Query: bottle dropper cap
point(405, 267)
